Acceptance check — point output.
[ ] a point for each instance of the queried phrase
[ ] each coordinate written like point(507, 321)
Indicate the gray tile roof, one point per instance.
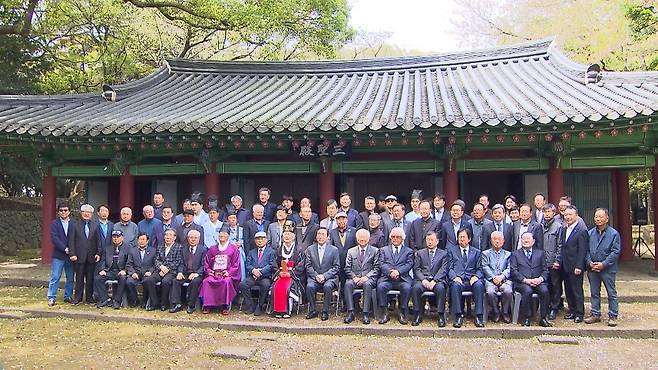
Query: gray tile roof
point(529, 84)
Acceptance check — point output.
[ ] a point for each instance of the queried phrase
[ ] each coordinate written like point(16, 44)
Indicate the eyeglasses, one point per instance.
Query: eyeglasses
point(64, 210)
point(396, 236)
point(390, 200)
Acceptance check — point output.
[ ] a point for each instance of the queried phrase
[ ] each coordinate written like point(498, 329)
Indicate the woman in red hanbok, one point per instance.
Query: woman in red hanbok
point(287, 287)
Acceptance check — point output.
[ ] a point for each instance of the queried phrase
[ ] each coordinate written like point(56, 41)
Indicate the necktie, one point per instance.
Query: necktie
point(320, 253)
point(528, 254)
point(398, 224)
point(464, 257)
point(331, 224)
point(189, 259)
point(432, 255)
point(434, 214)
point(395, 252)
point(260, 254)
point(362, 256)
point(497, 226)
point(87, 229)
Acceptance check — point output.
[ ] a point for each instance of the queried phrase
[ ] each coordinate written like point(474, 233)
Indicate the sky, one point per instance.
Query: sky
point(422, 25)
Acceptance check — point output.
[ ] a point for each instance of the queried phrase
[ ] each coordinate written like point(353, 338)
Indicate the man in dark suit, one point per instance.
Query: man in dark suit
point(84, 253)
point(430, 272)
point(396, 261)
point(342, 237)
point(439, 212)
point(574, 241)
point(362, 220)
point(112, 267)
point(256, 224)
point(140, 265)
point(479, 226)
point(322, 268)
point(259, 267)
point(168, 263)
point(498, 224)
point(552, 250)
point(297, 218)
point(539, 201)
point(168, 222)
point(345, 201)
point(362, 270)
point(465, 274)
point(188, 225)
point(526, 224)
point(602, 258)
point(397, 221)
point(421, 226)
point(59, 231)
point(530, 275)
point(306, 230)
point(269, 208)
point(105, 227)
point(448, 230)
point(191, 273)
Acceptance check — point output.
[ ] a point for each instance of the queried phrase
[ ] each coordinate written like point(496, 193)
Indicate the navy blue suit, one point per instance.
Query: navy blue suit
point(266, 266)
point(574, 252)
point(60, 239)
point(105, 239)
point(523, 268)
point(403, 263)
point(465, 271)
point(448, 237)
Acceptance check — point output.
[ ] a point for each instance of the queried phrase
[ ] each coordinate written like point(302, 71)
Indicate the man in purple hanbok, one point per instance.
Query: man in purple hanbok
point(222, 268)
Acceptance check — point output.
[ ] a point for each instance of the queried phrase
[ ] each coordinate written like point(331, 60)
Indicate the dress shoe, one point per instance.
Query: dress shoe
point(150, 308)
point(569, 316)
point(177, 307)
point(349, 318)
point(417, 320)
point(506, 318)
point(545, 323)
point(258, 311)
point(163, 308)
point(402, 318)
point(249, 310)
point(459, 321)
point(76, 302)
point(190, 309)
point(92, 301)
point(526, 322)
point(68, 300)
point(496, 317)
point(312, 315)
point(51, 302)
point(593, 319)
point(442, 321)
point(578, 319)
point(479, 323)
point(104, 304)
point(116, 305)
point(612, 322)
point(385, 318)
point(324, 316)
point(552, 315)
point(366, 319)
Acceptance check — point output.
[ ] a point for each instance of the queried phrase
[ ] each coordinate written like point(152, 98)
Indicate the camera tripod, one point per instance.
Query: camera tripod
point(639, 241)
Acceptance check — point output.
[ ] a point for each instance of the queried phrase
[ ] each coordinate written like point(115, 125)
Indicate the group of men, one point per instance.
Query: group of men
point(444, 254)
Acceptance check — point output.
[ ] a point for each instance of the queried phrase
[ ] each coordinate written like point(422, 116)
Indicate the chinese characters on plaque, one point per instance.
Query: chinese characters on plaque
point(319, 149)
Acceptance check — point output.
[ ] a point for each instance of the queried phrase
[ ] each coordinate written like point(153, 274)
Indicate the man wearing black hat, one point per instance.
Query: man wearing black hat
point(260, 262)
point(187, 225)
point(112, 267)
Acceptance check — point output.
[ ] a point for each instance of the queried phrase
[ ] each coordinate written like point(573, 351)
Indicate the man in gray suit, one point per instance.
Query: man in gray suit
point(396, 260)
point(430, 271)
point(362, 271)
point(526, 224)
point(397, 221)
point(552, 251)
point(275, 229)
point(322, 267)
point(495, 265)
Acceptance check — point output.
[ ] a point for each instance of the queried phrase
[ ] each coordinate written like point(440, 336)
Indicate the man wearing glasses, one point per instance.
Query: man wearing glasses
point(59, 231)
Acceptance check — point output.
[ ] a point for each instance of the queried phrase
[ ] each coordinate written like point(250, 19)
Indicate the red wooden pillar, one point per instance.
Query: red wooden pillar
point(624, 213)
point(555, 183)
point(655, 210)
point(127, 190)
point(48, 214)
point(615, 200)
point(450, 181)
point(327, 182)
point(212, 183)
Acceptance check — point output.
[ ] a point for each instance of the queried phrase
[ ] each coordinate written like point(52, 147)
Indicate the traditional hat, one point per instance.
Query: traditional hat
point(289, 226)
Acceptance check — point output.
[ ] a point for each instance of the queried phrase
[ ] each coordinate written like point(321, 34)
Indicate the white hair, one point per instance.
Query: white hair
point(87, 208)
point(195, 232)
point(498, 233)
point(127, 209)
point(399, 229)
point(236, 197)
point(147, 207)
point(257, 206)
point(362, 232)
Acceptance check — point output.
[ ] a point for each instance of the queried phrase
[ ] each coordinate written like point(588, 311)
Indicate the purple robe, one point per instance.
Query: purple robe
point(217, 290)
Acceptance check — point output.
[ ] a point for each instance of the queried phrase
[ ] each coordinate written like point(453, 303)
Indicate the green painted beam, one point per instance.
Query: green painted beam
point(509, 164)
point(84, 171)
point(167, 169)
point(268, 167)
point(631, 161)
point(387, 167)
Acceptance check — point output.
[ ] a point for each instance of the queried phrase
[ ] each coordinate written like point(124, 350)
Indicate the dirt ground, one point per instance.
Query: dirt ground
point(73, 344)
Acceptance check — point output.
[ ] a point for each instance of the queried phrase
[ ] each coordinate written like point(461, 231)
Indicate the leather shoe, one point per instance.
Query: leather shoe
point(402, 319)
point(312, 315)
point(459, 321)
point(76, 302)
point(258, 311)
point(176, 308)
point(506, 318)
point(163, 308)
point(150, 308)
point(190, 309)
point(366, 319)
point(68, 300)
point(385, 318)
point(324, 316)
point(578, 319)
point(593, 319)
point(416, 321)
point(116, 305)
point(479, 323)
point(612, 322)
point(569, 316)
point(526, 322)
point(545, 323)
point(552, 315)
point(104, 304)
point(442, 321)
point(51, 302)
point(496, 317)
point(349, 318)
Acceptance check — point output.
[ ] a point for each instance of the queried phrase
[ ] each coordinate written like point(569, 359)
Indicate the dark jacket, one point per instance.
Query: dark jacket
point(522, 268)
point(107, 257)
point(266, 263)
point(138, 265)
point(81, 246)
